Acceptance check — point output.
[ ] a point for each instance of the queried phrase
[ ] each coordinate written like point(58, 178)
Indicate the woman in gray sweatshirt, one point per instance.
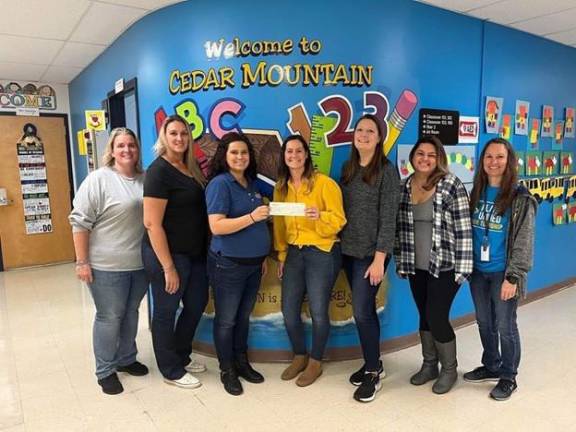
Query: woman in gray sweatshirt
point(107, 230)
point(370, 188)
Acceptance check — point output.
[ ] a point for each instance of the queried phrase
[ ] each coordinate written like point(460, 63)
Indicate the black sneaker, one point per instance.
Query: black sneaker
point(136, 369)
point(358, 377)
point(111, 384)
point(367, 390)
point(503, 390)
point(481, 374)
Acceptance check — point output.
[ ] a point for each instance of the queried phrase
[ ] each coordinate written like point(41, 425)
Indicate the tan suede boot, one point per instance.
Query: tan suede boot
point(299, 363)
point(310, 374)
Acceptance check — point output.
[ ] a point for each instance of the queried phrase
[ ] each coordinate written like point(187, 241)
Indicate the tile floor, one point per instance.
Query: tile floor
point(47, 381)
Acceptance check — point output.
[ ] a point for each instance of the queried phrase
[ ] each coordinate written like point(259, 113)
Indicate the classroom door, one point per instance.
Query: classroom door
point(20, 249)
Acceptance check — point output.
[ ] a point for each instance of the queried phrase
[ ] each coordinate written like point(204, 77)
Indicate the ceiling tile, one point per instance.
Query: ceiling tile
point(547, 24)
point(513, 11)
point(105, 22)
point(77, 54)
point(21, 72)
point(18, 49)
point(60, 74)
point(53, 19)
point(460, 5)
point(144, 4)
point(567, 37)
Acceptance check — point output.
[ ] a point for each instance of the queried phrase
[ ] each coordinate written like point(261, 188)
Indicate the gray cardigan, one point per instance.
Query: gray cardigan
point(520, 239)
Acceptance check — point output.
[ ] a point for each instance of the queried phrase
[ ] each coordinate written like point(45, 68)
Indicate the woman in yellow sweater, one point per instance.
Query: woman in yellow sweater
point(309, 254)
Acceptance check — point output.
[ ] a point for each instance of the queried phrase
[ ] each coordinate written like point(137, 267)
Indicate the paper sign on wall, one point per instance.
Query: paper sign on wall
point(95, 120)
point(468, 130)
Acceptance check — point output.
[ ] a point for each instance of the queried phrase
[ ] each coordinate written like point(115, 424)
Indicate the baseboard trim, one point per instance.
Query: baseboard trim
point(387, 346)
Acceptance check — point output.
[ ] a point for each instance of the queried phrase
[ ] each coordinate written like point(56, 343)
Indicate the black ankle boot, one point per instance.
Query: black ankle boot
point(231, 382)
point(244, 370)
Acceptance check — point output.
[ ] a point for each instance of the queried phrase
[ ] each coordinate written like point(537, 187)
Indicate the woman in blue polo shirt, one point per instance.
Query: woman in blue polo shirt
point(236, 260)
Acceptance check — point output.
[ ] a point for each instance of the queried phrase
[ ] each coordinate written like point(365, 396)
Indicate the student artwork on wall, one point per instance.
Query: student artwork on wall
point(559, 214)
point(547, 121)
point(403, 160)
point(492, 114)
point(569, 131)
point(468, 130)
point(506, 129)
point(534, 133)
point(571, 212)
point(533, 163)
point(550, 161)
point(521, 117)
point(521, 163)
point(566, 161)
point(558, 135)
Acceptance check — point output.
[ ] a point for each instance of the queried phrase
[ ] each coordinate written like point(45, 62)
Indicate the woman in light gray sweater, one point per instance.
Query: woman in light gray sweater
point(370, 188)
point(107, 230)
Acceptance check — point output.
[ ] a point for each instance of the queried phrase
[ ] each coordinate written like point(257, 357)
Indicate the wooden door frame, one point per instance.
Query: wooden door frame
point(66, 119)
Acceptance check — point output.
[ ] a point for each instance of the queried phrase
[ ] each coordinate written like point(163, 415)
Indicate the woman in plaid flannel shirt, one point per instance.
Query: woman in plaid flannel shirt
point(434, 251)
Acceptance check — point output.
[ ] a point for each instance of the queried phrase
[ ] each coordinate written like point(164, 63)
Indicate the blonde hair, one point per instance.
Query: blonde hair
point(189, 159)
point(108, 159)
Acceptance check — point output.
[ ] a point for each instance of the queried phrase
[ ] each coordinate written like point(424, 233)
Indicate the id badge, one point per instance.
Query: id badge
point(485, 250)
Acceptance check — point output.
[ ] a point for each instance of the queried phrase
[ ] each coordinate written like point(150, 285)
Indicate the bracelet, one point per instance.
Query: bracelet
point(250, 214)
point(81, 263)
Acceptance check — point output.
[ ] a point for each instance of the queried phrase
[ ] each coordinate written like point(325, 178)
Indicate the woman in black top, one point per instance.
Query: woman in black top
point(174, 250)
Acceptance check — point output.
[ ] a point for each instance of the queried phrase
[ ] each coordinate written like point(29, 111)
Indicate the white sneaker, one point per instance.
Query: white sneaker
point(187, 381)
point(195, 367)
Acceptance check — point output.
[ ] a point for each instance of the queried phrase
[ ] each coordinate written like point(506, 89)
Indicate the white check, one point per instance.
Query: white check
point(287, 209)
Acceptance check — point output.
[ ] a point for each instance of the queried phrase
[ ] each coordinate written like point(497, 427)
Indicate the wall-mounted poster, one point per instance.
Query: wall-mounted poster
point(534, 132)
point(492, 115)
point(566, 161)
point(547, 121)
point(569, 131)
point(571, 210)
point(550, 161)
point(469, 130)
point(439, 123)
point(520, 163)
point(558, 135)
point(506, 130)
point(559, 214)
point(95, 120)
point(521, 117)
point(33, 182)
point(403, 161)
point(533, 163)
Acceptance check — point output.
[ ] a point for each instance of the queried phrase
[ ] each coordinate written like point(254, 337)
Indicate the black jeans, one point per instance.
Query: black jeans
point(173, 343)
point(235, 289)
point(364, 307)
point(434, 297)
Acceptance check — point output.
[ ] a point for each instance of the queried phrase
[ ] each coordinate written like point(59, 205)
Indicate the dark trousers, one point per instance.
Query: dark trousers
point(364, 307)
point(312, 272)
point(173, 343)
point(497, 324)
point(235, 289)
point(434, 297)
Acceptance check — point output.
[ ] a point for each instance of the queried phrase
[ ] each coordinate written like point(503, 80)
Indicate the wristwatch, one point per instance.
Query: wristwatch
point(512, 279)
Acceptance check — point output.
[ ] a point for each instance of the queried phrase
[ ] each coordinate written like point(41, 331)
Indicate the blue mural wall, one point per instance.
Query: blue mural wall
point(448, 61)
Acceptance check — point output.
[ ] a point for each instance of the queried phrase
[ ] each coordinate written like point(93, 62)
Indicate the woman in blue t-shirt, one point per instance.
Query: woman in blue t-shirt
point(236, 259)
point(503, 232)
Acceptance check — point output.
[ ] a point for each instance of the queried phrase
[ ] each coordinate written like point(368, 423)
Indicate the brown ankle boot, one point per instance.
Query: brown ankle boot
point(299, 363)
point(310, 374)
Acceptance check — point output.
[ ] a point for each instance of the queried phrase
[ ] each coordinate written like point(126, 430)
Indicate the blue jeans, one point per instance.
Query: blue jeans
point(117, 296)
point(497, 324)
point(235, 289)
point(364, 307)
point(173, 343)
point(311, 271)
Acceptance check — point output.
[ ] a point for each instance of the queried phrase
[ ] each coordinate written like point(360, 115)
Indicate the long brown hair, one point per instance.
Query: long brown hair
point(379, 159)
point(218, 165)
point(509, 179)
point(284, 171)
point(189, 158)
point(441, 160)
